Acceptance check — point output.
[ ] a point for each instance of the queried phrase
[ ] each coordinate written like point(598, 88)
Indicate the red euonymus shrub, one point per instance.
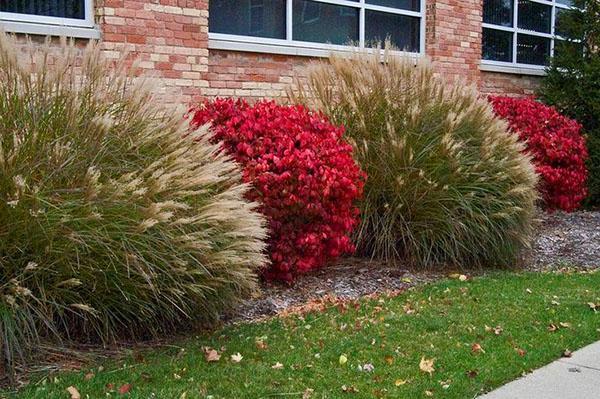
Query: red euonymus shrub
point(556, 145)
point(303, 176)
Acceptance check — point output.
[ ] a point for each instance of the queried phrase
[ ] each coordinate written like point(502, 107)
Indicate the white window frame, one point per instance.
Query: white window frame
point(288, 46)
point(55, 26)
point(514, 66)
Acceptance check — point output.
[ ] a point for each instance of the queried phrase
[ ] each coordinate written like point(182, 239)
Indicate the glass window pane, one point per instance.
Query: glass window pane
point(533, 50)
point(561, 13)
point(497, 45)
point(402, 30)
point(565, 2)
point(498, 12)
point(324, 23)
point(412, 5)
point(50, 8)
point(261, 18)
point(534, 16)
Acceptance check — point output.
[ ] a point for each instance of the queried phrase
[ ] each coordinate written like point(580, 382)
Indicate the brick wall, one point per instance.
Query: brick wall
point(453, 42)
point(453, 39)
point(509, 84)
point(170, 38)
point(251, 75)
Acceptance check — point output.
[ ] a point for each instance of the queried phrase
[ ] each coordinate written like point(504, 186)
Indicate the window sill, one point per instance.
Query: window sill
point(50, 30)
point(512, 69)
point(270, 46)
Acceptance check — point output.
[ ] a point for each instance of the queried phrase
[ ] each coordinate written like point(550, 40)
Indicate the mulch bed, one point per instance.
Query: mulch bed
point(561, 240)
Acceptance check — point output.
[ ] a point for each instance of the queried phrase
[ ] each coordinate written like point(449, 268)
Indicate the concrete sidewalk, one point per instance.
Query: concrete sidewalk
point(576, 377)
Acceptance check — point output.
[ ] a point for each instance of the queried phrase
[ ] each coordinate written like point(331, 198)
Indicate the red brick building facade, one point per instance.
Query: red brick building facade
point(495, 44)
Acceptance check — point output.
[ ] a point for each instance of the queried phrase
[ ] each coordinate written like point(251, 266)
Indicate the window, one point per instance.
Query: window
point(520, 32)
point(61, 17)
point(301, 26)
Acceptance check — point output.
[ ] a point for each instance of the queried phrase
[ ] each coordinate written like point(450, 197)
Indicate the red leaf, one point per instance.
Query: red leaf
point(123, 389)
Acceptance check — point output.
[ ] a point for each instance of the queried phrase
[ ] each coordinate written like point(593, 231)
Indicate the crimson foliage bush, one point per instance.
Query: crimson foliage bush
point(303, 176)
point(556, 145)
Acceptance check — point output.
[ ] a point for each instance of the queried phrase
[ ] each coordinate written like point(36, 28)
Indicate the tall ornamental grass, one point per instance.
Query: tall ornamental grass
point(446, 181)
point(112, 223)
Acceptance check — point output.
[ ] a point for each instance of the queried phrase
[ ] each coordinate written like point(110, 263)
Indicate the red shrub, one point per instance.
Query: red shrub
point(304, 178)
point(556, 145)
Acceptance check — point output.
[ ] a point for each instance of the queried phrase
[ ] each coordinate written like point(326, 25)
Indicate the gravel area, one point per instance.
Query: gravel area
point(562, 239)
point(567, 239)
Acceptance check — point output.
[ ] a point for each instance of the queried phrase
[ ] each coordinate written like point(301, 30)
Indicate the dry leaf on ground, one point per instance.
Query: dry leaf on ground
point(125, 388)
point(73, 392)
point(477, 348)
point(211, 355)
point(426, 365)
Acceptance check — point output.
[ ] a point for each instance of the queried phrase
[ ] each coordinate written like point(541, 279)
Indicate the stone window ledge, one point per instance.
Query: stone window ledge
point(50, 30)
point(512, 69)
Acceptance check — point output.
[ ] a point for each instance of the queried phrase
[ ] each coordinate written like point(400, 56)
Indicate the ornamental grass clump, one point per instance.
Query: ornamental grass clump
point(112, 224)
point(447, 184)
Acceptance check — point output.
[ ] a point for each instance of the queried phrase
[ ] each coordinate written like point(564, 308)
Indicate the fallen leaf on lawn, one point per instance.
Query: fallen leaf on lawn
point(343, 359)
point(399, 382)
point(428, 393)
point(73, 392)
point(564, 324)
point(237, 357)
point(555, 303)
point(211, 355)
point(445, 384)
point(472, 373)
point(567, 353)
point(125, 388)
point(552, 327)
point(593, 306)
point(88, 376)
point(368, 368)
point(349, 389)
point(408, 309)
point(110, 386)
point(496, 330)
point(521, 352)
point(458, 276)
point(426, 365)
point(528, 291)
point(262, 345)
point(477, 348)
point(389, 359)
point(307, 393)
point(277, 366)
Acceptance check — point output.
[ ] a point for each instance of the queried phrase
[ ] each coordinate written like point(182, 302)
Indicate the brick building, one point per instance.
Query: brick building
point(254, 48)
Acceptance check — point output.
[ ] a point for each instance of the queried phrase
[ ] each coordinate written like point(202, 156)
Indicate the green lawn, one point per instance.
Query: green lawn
point(441, 321)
